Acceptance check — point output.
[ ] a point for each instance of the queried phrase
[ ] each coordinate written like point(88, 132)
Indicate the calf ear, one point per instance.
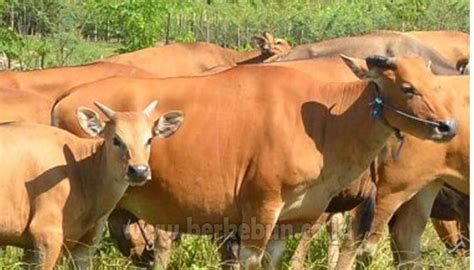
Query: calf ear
point(358, 66)
point(168, 124)
point(89, 121)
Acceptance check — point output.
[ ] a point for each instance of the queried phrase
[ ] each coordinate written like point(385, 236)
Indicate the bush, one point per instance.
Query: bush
point(136, 24)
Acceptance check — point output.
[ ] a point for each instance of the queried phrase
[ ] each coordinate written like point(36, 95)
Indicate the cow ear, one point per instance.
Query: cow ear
point(89, 121)
point(168, 124)
point(262, 43)
point(358, 66)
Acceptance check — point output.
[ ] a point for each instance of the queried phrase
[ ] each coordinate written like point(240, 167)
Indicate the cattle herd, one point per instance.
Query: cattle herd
point(250, 147)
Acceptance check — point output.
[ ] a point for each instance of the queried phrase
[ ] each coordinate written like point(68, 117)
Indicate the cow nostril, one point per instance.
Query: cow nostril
point(448, 127)
point(443, 127)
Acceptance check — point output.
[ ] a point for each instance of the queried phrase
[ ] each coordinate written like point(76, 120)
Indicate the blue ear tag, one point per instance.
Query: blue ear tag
point(377, 106)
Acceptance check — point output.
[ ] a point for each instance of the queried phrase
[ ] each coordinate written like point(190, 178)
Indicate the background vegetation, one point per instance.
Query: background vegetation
point(41, 33)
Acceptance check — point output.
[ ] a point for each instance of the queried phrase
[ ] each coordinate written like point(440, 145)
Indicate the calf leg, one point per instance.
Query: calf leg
point(48, 240)
point(83, 251)
point(163, 246)
point(408, 224)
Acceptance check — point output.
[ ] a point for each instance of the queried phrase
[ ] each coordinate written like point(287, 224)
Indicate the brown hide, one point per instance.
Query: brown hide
point(238, 165)
point(29, 95)
point(388, 43)
point(452, 45)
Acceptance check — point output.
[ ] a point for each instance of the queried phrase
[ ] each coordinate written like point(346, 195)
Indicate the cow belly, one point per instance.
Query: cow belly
point(308, 204)
point(184, 212)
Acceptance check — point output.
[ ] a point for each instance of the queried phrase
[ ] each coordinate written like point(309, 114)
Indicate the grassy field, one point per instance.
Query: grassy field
point(198, 252)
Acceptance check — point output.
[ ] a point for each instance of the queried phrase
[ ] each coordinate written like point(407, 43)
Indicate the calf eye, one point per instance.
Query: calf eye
point(408, 90)
point(116, 141)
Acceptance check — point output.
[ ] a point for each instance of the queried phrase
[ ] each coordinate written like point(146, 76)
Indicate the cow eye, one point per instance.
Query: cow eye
point(408, 90)
point(116, 142)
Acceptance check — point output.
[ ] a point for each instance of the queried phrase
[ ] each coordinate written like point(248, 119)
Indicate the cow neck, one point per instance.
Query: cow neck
point(440, 65)
point(360, 137)
point(250, 57)
point(99, 188)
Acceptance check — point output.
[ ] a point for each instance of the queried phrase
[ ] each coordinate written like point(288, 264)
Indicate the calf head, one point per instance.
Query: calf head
point(128, 137)
point(270, 46)
point(408, 96)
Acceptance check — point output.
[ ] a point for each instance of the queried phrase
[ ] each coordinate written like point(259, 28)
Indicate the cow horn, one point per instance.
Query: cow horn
point(380, 61)
point(104, 109)
point(428, 65)
point(150, 108)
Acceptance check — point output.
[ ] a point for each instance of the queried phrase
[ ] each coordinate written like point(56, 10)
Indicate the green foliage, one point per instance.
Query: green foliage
point(11, 44)
point(136, 24)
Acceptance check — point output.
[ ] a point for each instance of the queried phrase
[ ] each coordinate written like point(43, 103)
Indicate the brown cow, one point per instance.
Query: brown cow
point(63, 194)
point(446, 163)
point(452, 45)
point(388, 43)
point(322, 69)
point(249, 172)
point(458, 83)
point(29, 95)
point(189, 59)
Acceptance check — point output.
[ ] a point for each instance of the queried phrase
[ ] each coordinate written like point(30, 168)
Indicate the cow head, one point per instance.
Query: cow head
point(408, 86)
point(270, 46)
point(128, 137)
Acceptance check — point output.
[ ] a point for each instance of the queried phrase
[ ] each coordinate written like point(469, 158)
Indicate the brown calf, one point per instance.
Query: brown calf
point(63, 194)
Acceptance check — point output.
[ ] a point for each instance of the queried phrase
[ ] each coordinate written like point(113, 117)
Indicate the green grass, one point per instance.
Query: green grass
point(199, 252)
point(76, 52)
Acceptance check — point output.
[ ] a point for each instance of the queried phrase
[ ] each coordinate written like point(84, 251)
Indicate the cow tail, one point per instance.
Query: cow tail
point(367, 213)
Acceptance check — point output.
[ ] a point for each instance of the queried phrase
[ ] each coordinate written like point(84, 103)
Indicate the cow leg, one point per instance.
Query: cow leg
point(301, 251)
point(385, 207)
point(83, 251)
point(464, 229)
point(259, 220)
point(335, 227)
point(229, 251)
point(29, 258)
point(448, 232)
point(275, 249)
point(360, 222)
point(408, 224)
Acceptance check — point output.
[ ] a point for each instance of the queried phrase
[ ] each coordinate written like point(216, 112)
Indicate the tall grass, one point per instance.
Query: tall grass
point(200, 252)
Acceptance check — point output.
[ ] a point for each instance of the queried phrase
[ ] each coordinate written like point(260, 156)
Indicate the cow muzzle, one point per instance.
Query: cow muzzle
point(445, 130)
point(138, 174)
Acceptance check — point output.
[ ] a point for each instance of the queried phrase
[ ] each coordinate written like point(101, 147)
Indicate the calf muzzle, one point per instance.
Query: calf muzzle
point(138, 174)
